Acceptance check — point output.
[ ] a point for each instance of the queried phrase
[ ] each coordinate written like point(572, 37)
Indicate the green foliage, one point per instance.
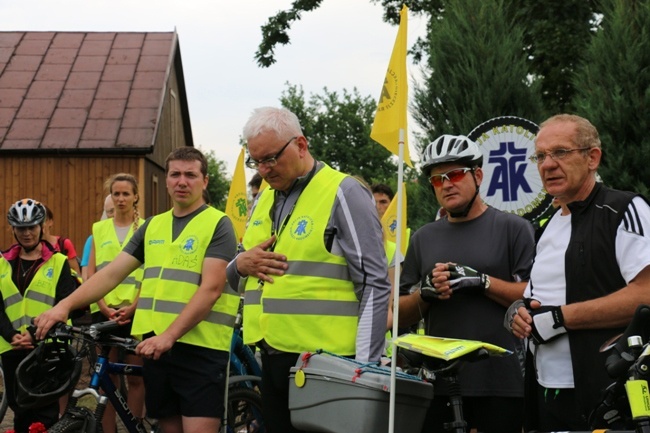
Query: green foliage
point(613, 92)
point(219, 182)
point(556, 34)
point(275, 31)
point(476, 71)
point(338, 129)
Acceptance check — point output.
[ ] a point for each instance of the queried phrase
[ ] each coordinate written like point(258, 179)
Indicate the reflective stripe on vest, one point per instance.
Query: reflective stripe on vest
point(172, 274)
point(107, 247)
point(313, 305)
point(38, 298)
point(317, 307)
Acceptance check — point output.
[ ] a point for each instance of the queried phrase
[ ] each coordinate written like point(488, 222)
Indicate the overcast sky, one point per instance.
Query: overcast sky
point(342, 45)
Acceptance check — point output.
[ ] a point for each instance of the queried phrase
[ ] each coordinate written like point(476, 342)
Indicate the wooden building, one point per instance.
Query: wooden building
point(76, 108)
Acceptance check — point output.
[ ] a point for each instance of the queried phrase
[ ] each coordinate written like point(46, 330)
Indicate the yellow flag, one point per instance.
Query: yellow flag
point(389, 221)
point(237, 204)
point(391, 109)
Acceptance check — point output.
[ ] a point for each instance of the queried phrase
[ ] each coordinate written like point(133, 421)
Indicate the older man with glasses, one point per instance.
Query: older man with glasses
point(312, 259)
point(591, 271)
point(461, 273)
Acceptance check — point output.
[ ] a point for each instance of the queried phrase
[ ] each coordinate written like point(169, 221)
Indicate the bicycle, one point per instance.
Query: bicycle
point(434, 358)
point(244, 409)
point(243, 412)
point(78, 418)
point(3, 397)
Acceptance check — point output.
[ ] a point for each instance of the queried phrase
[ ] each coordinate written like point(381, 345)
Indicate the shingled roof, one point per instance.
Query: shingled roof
point(85, 92)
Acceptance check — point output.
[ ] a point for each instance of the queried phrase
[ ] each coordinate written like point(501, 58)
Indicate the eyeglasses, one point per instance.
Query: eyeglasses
point(269, 162)
point(453, 176)
point(555, 155)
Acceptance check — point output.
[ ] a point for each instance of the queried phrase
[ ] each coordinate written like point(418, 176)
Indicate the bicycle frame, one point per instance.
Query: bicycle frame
point(100, 379)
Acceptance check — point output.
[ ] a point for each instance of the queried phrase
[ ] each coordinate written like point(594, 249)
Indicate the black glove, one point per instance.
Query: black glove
point(468, 280)
point(427, 291)
point(548, 324)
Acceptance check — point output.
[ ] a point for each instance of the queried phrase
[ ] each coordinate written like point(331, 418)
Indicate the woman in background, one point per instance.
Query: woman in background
point(109, 236)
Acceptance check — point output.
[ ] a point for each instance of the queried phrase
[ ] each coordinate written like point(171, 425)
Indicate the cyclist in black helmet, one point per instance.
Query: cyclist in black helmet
point(33, 277)
point(467, 267)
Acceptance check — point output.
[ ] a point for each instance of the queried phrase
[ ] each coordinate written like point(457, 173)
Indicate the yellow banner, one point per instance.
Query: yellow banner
point(237, 204)
point(391, 109)
point(445, 348)
point(389, 221)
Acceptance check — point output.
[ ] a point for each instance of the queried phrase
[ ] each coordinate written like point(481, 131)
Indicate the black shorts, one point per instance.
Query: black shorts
point(187, 381)
point(123, 331)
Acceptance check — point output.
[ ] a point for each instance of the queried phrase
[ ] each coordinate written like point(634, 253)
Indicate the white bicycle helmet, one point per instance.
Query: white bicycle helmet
point(26, 213)
point(451, 148)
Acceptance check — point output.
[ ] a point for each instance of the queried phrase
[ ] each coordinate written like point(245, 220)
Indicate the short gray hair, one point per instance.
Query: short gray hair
point(271, 119)
point(586, 132)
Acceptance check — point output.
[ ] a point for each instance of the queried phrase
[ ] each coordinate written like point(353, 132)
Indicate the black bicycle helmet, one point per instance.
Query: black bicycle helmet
point(47, 373)
point(451, 148)
point(26, 213)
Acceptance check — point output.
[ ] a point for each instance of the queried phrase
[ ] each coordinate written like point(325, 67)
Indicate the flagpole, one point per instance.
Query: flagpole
point(398, 264)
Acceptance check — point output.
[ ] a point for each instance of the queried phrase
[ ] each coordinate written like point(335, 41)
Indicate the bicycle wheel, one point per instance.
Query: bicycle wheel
point(3, 396)
point(244, 411)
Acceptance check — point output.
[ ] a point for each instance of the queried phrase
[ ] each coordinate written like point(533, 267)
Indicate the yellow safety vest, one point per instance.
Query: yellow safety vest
point(38, 298)
point(313, 305)
point(172, 275)
point(107, 247)
point(390, 247)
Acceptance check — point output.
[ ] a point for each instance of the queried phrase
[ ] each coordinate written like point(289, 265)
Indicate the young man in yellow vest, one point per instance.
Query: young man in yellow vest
point(184, 303)
point(314, 244)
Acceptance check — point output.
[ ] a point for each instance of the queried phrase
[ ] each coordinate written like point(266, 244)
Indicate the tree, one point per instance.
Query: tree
point(476, 70)
point(276, 30)
point(556, 33)
point(219, 182)
point(613, 92)
point(338, 129)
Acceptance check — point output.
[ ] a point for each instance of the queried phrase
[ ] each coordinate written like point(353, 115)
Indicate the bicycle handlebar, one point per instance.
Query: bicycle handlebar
point(623, 356)
point(97, 333)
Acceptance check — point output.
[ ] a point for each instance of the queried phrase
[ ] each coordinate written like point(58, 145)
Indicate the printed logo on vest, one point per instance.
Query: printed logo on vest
point(302, 227)
point(189, 245)
point(257, 222)
point(49, 273)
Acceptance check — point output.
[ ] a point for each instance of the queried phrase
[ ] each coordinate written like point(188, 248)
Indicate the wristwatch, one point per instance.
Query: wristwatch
point(487, 282)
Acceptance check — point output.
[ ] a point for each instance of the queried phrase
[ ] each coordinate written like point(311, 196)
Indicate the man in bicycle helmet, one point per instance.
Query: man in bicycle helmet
point(460, 273)
point(33, 277)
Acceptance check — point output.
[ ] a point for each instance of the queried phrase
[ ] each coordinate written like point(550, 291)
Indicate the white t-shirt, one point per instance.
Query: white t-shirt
point(553, 360)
